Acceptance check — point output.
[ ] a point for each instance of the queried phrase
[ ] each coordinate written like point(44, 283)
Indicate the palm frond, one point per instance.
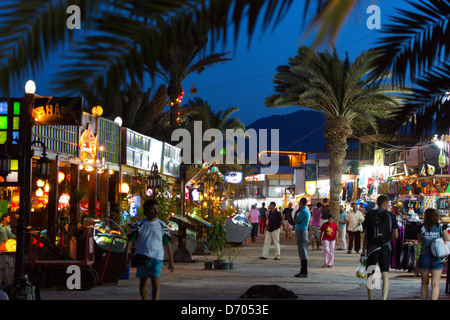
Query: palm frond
point(415, 40)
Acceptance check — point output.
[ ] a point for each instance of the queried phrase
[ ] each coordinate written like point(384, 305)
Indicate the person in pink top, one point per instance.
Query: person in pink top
point(253, 218)
point(315, 226)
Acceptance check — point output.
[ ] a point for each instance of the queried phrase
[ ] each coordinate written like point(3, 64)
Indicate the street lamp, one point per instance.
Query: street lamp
point(43, 173)
point(154, 180)
point(5, 164)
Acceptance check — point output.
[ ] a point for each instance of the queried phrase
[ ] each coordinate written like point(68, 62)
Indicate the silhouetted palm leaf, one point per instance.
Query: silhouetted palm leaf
point(416, 47)
point(415, 41)
point(122, 35)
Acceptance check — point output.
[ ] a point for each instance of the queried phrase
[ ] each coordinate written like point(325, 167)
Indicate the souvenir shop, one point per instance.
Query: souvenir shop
point(410, 196)
point(415, 195)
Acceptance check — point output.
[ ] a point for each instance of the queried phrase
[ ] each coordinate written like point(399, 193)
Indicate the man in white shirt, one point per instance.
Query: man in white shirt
point(354, 228)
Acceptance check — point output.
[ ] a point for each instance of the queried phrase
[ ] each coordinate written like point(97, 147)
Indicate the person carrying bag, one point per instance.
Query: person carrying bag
point(432, 253)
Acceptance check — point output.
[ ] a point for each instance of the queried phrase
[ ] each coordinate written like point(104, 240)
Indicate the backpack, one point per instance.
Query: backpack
point(290, 219)
point(326, 213)
point(379, 227)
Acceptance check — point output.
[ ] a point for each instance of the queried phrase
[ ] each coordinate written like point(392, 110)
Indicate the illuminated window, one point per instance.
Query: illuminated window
point(3, 107)
point(3, 122)
point(16, 123)
point(16, 108)
point(3, 137)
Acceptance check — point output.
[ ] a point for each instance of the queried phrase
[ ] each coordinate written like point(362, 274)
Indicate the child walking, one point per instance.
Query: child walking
point(328, 235)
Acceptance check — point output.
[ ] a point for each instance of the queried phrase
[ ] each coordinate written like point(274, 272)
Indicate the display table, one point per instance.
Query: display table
point(7, 263)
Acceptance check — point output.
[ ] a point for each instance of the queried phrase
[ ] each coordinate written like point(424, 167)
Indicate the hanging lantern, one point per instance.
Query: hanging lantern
point(124, 188)
point(97, 111)
point(61, 176)
point(46, 187)
point(154, 180)
point(40, 183)
point(43, 167)
point(193, 89)
point(39, 193)
point(15, 199)
point(64, 199)
point(11, 245)
point(5, 164)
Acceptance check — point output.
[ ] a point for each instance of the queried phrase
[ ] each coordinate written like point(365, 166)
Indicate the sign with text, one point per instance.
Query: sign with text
point(57, 111)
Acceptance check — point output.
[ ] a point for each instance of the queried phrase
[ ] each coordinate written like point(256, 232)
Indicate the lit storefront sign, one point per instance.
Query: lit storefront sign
point(59, 111)
point(256, 177)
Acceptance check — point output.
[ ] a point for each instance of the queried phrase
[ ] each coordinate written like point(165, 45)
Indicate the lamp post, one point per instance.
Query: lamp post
point(154, 180)
point(43, 173)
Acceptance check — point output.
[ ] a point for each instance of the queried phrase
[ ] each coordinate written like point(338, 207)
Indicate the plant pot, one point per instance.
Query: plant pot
point(208, 265)
point(218, 264)
point(225, 266)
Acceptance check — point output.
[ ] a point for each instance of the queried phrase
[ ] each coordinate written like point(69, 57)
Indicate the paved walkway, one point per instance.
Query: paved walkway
point(190, 281)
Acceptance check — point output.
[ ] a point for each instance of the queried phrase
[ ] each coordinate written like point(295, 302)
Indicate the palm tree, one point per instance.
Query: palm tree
point(120, 37)
point(222, 120)
point(339, 89)
point(415, 48)
point(181, 61)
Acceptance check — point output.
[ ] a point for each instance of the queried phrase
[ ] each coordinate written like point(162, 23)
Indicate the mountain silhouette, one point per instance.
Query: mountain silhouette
point(302, 130)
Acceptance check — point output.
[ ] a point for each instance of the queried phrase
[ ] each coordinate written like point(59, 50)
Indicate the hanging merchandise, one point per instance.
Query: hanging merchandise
point(350, 191)
point(429, 202)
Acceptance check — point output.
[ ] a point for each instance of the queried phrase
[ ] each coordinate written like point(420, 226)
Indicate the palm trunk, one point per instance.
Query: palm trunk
point(336, 132)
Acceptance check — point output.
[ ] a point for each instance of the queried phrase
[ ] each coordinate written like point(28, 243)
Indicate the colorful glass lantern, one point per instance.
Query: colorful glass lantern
point(61, 176)
point(124, 188)
point(11, 245)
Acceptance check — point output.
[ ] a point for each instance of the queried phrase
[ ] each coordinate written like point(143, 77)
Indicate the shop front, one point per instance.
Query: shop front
point(139, 154)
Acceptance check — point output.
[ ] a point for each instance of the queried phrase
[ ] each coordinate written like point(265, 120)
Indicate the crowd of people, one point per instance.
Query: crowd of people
point(313, 224)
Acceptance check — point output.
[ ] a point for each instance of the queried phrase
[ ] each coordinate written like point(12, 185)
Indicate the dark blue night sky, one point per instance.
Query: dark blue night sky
point(247, 80)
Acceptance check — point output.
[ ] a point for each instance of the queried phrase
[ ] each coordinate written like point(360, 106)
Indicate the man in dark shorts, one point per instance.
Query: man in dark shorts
point(379, 252)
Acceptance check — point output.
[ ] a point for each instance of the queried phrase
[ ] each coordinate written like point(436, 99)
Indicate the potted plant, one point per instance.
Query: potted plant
point(217, 236)
point(233, 253)
point(208, 264)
